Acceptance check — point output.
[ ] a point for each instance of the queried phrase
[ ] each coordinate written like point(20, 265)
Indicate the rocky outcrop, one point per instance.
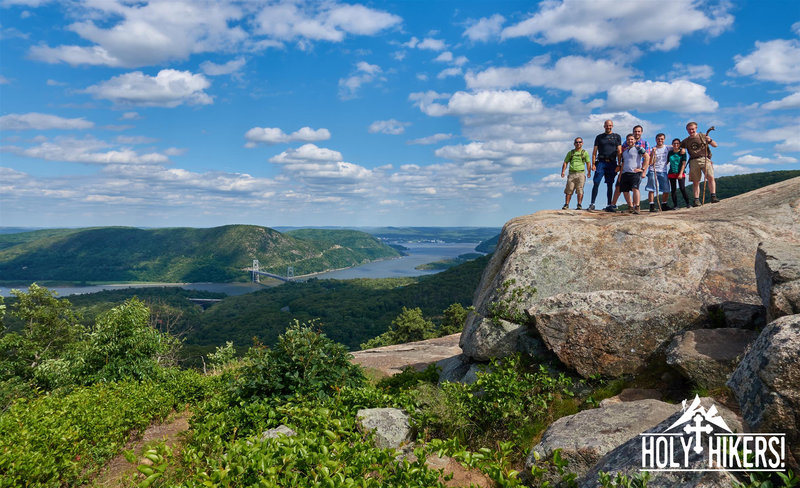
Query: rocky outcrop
point(707, 357)
point(390, 426)
point(587, 436)
point(778, 276)
point(611, 332)
point(627, 458)
point(390, 360)
point(766, 383)
point(277, 432)
point(705, 256)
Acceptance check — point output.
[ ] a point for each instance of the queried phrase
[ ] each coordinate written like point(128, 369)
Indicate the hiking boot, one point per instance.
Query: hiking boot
point(714, 198)
point(611, 209)
point(665, 207)
point(579, 207)
point(696, 202)
point(565, 207)
point(591, 207)
point(652, 207)
point(636, 209)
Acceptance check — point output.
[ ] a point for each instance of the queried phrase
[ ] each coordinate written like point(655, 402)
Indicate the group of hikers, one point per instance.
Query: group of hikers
point(663, 166)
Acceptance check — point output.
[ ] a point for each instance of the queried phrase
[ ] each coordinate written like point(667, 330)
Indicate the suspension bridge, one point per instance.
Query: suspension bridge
point(257, 273)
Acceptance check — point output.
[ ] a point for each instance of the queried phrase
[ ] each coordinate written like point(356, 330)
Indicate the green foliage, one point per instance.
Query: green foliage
point(454, 318)
point(507, 398)
point(222, 357)
point(730, 186)
point(496, 464)
point(304, 362)
point(763, 479)
point(409, 378)
point(62, 438)
point(409, 326)
point(637, 480)
point(489, 245)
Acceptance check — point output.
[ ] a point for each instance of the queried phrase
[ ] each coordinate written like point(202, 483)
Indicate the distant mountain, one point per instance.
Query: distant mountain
point(218, 254)
point(730, 186)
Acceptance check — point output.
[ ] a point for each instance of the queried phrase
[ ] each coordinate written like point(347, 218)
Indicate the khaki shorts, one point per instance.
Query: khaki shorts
point(698, 166)
point(575, 181)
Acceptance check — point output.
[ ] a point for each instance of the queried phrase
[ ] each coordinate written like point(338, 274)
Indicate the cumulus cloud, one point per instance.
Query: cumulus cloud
point(771, 61)
point(598, 24)
point(87, 150)
point(481, 102)
point(786, 103)
point(214, 69)
point(391, 126)
point(692, 72)
point(578, 74)
point(785, 136)
point(274, 135)
point(130, 116)
point(323, 169)
point(653, 96)
point(306, 153)
point(485, 28)
point(129, 35)
point(321, 21)
point(750, 160)
point(436, 138)
point(734, 169)
point(39, 121)
point(169, 88)
point(365, 73)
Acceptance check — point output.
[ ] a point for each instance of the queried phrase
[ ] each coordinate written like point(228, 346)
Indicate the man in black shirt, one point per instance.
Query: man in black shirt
point(607, 150)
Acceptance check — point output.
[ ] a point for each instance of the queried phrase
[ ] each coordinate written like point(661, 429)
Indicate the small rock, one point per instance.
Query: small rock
point(276, 432)
point(390, 426)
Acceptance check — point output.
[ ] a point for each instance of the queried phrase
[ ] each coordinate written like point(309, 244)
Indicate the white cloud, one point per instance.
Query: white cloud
point(169, 88)
point(436, 138)
point(446, 73)
point(213, 69)
point(786, 103)
point(481, 102)
point(432, 44)
point(603, 23)
point(320, 21)
point(578, 74)
point(88, 150)
point(485, 29)
point(775, 60)
point(324, 169)
point(750, 160)
point(734, 169)
point(306, 153)
point(130, 116)
point(785, 136)
point(274, 135)
point(391, 126)
point(692, 72)
point(129, 35)
point(652, 96)
point(365, 73)
point(39, 121)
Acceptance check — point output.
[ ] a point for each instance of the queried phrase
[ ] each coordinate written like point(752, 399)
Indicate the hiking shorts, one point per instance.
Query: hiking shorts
point(605, 169)
point(698, 166)
point(575, 181)
point(663, 182)
point(630, 181)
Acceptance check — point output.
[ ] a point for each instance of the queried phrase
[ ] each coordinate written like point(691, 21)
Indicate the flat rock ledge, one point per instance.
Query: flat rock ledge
point(391, 360)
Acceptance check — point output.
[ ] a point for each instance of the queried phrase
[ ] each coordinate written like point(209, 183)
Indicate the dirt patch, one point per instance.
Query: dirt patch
point(118, 471)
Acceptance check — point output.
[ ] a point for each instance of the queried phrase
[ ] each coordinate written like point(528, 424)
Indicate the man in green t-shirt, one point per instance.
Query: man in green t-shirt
point(577, 160)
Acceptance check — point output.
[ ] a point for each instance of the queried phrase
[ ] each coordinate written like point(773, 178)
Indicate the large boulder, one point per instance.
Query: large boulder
point(767, 383)
point(705, 254)
point(627, 458)
point(612, 332)
point(587, 436)
point(708, 356)
point(778, 274)
point(389, 426)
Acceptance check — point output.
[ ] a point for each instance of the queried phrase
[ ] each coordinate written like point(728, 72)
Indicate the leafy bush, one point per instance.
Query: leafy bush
point(60, 439)
point(303, 362)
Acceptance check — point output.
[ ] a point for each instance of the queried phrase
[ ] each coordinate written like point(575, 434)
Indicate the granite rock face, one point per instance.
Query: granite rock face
point(611, 332)
point(767, 383)
point(709, 356)
point(703, 255)
point(778, 274)
point(627, 457)
point(587, 436)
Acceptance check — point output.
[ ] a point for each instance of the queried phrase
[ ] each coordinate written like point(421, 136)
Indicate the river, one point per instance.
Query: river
point(418, 253)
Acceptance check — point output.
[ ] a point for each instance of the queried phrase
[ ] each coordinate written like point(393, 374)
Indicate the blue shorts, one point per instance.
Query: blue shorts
point(607, 169)
point(663, 182)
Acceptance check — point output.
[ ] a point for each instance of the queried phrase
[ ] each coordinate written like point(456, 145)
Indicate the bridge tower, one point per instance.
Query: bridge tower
point(290, 272)
point(256, 276)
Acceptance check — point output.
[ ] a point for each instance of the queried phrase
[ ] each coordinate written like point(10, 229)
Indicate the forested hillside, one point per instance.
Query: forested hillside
point(730, 186)
point(219, 254)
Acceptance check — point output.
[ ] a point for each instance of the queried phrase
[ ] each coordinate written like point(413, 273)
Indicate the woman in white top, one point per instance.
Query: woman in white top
point(659, 167)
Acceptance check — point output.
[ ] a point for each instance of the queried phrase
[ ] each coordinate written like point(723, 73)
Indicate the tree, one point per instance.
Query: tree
point(453, 321)
point(409, 326)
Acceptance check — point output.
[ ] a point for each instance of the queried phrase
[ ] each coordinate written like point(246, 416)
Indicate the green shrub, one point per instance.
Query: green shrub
point(303, 362)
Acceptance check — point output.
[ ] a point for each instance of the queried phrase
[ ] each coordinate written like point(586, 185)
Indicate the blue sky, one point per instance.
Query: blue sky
point(204, 113)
